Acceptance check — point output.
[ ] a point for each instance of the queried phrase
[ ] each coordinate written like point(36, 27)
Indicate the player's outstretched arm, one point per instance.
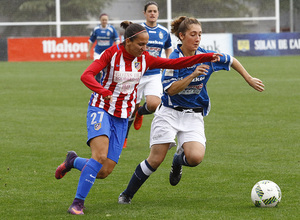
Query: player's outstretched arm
point(255, 83)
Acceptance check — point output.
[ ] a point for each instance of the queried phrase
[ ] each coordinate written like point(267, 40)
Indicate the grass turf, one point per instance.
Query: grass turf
point(251, 136)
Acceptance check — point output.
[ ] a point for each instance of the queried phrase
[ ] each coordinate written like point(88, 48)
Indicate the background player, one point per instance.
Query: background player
point(105, 35)
point(150, 85)
point(184, 104)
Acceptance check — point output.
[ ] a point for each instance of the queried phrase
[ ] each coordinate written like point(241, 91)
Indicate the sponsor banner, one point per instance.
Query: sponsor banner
point(271, 44)
point(48, 48)
point(221, 43)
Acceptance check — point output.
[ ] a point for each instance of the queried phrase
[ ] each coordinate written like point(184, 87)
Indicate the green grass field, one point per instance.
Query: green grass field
point(251, 136)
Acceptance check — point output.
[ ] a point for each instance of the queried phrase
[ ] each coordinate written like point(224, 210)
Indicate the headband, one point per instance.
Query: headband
point(136, 34)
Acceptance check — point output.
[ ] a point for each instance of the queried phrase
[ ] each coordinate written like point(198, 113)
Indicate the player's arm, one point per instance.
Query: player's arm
point(89, 49)
point(182, 62)
point(168, 52)
point(180, 85)
point(88, 76)
point(257, 84)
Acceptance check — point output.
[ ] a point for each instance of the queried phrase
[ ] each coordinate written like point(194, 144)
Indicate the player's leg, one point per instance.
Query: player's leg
point(98, 126)
point(116, 140)
point(192, 155)
point(99, 147)
point(191, 145)
point(143, 171)
point(152, 92)
point(152, 102)
point(162, 136)
point(130, 121)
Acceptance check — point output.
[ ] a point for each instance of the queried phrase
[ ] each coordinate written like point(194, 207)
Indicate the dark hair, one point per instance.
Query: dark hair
point(182, 24)
point(131, 29)
point(103, 14)
point(150, 3)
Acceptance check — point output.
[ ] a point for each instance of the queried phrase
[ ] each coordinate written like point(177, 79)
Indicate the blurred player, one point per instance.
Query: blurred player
point(111, 103)
point(150, 85)
point(105, 35)
point(184, 104)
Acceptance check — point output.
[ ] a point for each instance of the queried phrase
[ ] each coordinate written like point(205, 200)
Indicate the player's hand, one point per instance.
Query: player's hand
point(109, 97)
point(256, 84)
point(200, 70)
point(216, 57)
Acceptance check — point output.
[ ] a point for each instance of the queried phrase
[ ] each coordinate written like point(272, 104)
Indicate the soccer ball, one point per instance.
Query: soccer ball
point(265, 193)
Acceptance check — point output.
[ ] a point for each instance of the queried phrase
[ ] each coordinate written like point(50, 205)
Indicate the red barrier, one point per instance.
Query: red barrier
point(47, 48)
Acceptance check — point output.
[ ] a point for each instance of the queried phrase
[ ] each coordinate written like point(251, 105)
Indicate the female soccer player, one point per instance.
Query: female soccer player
point(184, 104)
point(105, 35)
point(112, 102)
point(150, 85)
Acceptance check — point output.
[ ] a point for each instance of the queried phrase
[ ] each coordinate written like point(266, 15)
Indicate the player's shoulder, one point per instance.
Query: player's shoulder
point(175, 54)
point(110, 27)
point(202, 50)
point(159, 26)
point(162, 27)
point(97, 27)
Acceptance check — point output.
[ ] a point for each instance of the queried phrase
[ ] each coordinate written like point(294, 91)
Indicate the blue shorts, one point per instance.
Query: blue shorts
point(99, 122)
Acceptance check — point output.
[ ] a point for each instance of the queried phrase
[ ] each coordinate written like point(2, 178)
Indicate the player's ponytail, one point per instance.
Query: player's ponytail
point(132, 30)
point(182, 24)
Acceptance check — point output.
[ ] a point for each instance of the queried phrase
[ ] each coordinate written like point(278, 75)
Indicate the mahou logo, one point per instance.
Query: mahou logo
point(48, 48)
point(65, 49)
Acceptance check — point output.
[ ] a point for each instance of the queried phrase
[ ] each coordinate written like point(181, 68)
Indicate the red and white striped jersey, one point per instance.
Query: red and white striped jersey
point(122, 75)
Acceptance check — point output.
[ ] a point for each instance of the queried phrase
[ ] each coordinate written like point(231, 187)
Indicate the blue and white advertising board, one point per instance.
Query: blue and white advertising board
point(270, 44)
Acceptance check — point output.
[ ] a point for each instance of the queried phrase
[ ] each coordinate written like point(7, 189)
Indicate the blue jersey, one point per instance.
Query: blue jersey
point(105, 37)
point(195, 94)
point(159, 39)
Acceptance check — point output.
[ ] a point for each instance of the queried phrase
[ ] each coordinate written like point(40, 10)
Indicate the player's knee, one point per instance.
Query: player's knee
point(195, 160)
point(103, 173)
point(100, 157)
point(155, 162)
point(153, 105)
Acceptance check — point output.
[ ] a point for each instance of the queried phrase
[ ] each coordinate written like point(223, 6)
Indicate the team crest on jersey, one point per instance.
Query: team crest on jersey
point(97, 126)
point(161, 35)
point(137, 65)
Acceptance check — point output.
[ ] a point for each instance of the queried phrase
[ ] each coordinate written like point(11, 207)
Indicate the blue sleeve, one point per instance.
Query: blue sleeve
point(224, 63)
point(168, 42)
point(93, 36)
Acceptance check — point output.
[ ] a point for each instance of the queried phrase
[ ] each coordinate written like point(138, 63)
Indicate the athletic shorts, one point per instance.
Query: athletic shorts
point(149, 85)
point(99, 122)
point(168, 124)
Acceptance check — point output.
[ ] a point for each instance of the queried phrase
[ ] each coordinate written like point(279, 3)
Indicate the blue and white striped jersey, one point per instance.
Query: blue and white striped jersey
point(105, 37)
point(159, 39)
point(195, 94)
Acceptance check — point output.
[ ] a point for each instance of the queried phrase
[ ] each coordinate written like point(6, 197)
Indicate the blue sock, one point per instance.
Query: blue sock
point(141, 174)
point(180, 159)
point(80, 162)
point(87, 178)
